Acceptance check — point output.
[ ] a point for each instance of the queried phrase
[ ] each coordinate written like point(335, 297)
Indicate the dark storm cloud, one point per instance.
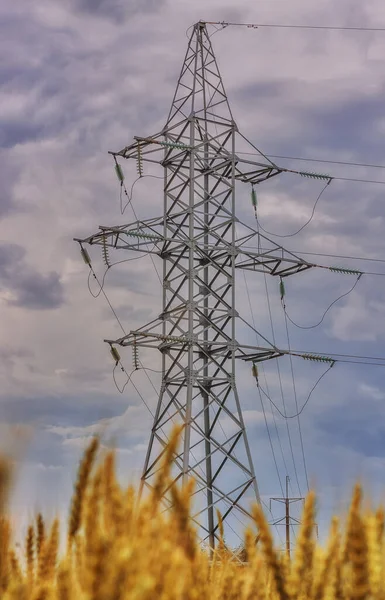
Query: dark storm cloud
point(358, 424)
point(352, 124)
point(120, 9)
point(342, 125)
point(18, 133)
point(29, 288)
point(62, 410)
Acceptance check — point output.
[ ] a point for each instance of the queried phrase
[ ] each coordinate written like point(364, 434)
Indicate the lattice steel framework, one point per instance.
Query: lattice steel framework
point(201, 244)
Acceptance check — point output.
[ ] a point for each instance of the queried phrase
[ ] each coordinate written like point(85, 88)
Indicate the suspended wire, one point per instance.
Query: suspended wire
point(216, 31)
point(262, 405)
point(326, 311)
point(360, 362)
point(283, 26)
point(319, 160)
point(283, 399)
point(142, 399)
point(263, 370)
point(278, 370)
point(152, 370)
point(306, 401)
point(304, 225)
point(124, 371)
point(353, 179)
point(364, 258)
point(352, 356)
point(149, 379)
point(107, 299)
point(129, 196)
point(263, 408)
point(271, 442)
point(296, 403)
point(280, 385)
point(150, 255)
point(365, 360)
point(122, 185)
point(101, 286)
point(188, 31)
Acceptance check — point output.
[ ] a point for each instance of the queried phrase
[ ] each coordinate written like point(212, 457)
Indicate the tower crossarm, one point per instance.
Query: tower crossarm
point(257, 353)
point(167, 149)
point(143, 236)
point(148, 336)
point(281, 263)
point(148, 236)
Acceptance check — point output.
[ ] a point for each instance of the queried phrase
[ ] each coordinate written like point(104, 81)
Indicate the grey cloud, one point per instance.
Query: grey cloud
point(8, 175)
point(119, 9)
point(129, 314)
point(18, 133)
point(359, 427)
point(10, 356)
point(29, 288)
point(62, 410)
point(36, 291)
point(351, 124)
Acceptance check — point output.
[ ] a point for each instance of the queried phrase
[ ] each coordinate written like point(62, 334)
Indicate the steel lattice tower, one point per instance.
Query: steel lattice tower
point(201, 244)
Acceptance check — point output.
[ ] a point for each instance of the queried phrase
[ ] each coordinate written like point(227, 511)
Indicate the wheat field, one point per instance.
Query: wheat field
point(119, 548)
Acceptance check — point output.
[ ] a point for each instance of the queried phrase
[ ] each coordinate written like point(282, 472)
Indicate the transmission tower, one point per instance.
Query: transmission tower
point(201, 244)
point(287, 518)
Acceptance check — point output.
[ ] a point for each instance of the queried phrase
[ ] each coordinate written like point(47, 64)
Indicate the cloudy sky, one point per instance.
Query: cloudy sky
point(81, 77)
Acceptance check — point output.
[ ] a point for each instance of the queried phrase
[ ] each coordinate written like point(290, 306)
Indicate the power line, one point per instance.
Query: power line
point(365, 360)
point(270, 441)
point(260, 397)
point(325, 312)
point(304, 404)
point(283, 26)
point(335, 177)
point(267, 387)
point(296, 403)
point(303, 226)
point(107, 299)
point(381, 260)
point(358, 180)
point(280, 382)
point(319, 160)
point(363, 258)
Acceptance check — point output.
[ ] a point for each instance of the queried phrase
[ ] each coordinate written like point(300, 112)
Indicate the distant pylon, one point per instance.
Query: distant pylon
point(287, 518)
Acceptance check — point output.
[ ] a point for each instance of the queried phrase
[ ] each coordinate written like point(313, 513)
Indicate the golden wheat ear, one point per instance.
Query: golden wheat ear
point(6, 473)
point(84, 473)
point(269, 554)
point(163, 476)
point(304, 549)
point(30, 552)
point(40, 534)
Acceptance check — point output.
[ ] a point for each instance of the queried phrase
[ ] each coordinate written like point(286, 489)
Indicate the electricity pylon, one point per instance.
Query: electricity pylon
point(201, 244)
point(287, 518)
